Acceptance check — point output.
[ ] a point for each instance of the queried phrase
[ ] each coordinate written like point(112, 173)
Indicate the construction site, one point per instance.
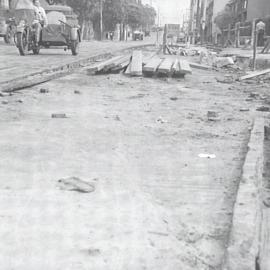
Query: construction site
point(135, 155)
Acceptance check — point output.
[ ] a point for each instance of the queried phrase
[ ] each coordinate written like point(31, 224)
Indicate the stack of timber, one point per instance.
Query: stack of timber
point(113, 65)
point(174, 67)
point(136, 65)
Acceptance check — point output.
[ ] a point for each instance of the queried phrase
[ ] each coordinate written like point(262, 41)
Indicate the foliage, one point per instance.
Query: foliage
point(85, 9)
point(225, 17)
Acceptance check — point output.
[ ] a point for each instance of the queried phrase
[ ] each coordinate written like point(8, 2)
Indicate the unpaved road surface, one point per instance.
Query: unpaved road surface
point(12, 65)
point(156, 203)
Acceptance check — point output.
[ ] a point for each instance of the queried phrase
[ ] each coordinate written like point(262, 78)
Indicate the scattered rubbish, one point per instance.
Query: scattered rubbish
point(227, 79)
point(162, 121)
point(77, 92)
point(220, 62)
point(173, 98)
point(266, 202)
point(19, 101)
point(93, 251)
point(75, 184)
point(5, 102)
point(244, 110)
point(212, 116)
point(158, 233)
point(59, 115)
point(2, 94)
point(263, 109)
point(210, 156)
point(120, 83)
point(43, 91)
point(117, 118)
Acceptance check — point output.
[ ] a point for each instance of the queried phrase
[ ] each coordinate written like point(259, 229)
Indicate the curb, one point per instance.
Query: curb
point(45, 75)
point(243, 248)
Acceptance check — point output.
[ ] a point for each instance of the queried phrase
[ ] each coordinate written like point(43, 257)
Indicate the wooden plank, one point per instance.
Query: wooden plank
point(254, 74)
point(128, 71)
point(176, 67)
point(199, 66)
point(166, 66)
point(265, 238)
point(123, 59)
point(136, 64)
point(152, 66)
point(121, 66)
point(184, 67)
point(147, 59)
point(99, 66)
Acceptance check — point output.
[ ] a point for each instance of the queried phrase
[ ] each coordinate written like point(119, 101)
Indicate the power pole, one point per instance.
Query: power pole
point(101, 19)
point(198, 26)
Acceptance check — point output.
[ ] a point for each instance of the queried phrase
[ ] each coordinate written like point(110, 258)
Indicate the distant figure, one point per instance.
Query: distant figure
point(111, 35)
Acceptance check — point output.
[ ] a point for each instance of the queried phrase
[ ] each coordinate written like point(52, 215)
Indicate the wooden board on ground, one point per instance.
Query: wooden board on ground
point(148, 58)
point(184, 67)
point(254, 74)
point(152, 66)
point(176, 68)
point(101, 65)
point(199, 66)
point(121, 64)
point(128, 71)
point(136, 64)
point(265, 236)
point(166, 66)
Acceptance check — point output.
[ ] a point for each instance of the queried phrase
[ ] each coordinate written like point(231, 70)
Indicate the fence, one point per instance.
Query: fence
point(241, 33)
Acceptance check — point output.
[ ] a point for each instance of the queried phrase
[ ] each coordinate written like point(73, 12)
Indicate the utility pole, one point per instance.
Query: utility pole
point(198, 26)
point(101, 19)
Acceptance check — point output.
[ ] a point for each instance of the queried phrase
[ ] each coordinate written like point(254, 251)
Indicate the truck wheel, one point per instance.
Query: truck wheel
point(22, 43)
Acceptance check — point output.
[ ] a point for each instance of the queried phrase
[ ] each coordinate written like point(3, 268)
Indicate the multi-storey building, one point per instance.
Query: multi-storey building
point(242, 10)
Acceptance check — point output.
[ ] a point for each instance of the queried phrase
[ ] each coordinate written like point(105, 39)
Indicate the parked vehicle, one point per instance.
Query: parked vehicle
point(137, 35)
point(7, 26)
point(58, 32)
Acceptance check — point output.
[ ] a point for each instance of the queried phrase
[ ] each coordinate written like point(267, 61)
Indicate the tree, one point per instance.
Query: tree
point(226, 16)
point(86, 11)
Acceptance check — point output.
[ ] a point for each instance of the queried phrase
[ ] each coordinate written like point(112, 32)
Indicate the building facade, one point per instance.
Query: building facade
point(241, 10)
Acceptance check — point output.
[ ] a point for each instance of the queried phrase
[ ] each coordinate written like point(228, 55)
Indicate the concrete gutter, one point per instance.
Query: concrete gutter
point(57, 71)
point(243, 249)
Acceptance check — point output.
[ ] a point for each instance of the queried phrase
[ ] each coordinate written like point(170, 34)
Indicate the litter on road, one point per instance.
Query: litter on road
point(210, 156)
point(75, 184)
point(59, 115)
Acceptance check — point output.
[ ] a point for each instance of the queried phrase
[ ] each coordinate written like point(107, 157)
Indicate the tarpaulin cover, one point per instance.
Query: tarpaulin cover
point(54, 33)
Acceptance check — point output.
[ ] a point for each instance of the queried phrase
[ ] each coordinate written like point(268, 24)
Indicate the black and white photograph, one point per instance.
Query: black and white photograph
point(134, 134)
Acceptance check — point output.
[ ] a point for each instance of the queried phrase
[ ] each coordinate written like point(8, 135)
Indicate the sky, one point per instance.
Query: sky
point(171, 11)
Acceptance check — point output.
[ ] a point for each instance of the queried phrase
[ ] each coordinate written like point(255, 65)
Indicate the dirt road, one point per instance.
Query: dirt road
point(12, 65)
point(156, 204)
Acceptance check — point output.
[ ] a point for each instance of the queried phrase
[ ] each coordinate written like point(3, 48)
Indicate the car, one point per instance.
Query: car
point(137, 35)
